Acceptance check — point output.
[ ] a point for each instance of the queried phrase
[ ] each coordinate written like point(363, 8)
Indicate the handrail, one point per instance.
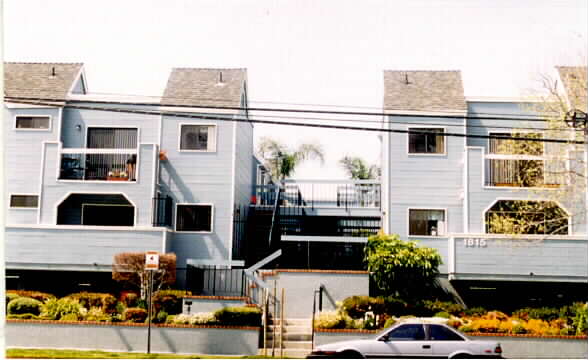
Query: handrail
point(276, 208)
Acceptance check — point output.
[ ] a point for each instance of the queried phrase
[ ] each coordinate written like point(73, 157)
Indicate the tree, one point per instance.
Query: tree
point(130, 268)
point(282, 161)
point(357, 169)
point(560, 176)
point(401, 268)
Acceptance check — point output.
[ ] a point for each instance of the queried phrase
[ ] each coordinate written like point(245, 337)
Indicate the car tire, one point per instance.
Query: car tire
point(462, 356)
point(350, 354)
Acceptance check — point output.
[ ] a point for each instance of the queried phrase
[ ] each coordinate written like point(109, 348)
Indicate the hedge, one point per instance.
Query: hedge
point(24, 305)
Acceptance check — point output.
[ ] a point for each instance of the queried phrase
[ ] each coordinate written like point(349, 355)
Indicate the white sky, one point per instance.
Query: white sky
point(303, 51)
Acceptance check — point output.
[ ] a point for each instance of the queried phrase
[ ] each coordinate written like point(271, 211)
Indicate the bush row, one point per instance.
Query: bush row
point(234, 316)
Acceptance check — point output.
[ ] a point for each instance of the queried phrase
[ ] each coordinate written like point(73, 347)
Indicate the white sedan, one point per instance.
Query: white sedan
point(412, 339)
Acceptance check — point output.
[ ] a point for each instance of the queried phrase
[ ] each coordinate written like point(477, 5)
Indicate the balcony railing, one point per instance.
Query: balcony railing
point(519, 171)
point(337, 194)
point(98, 164)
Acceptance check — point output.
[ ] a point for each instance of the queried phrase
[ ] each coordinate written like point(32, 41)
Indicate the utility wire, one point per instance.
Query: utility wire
point(304, 111)
point(325, 126)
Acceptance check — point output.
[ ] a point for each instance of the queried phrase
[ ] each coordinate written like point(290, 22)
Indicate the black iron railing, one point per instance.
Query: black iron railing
point(213, 280)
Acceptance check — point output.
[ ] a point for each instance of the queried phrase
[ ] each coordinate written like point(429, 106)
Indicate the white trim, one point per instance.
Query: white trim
point(10, 195)
point(122, 151)
point(85, 227)
point(112, 127)
point(11, 105)
point(527, 199)
point(451, 266)
point(424, 126)
point(49, 129)
point(195, 232)
point(449, 112)
point(329, 239)
point(466, 191)
point(446, 216)
point(154, 174)
point(68, 194)
point(207, 142)
point(197, 111)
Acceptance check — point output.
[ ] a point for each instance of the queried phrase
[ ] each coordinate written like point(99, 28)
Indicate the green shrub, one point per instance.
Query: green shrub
point(120, 307)
point(519, 329)
point(160, 317)
point(443, 314)
point(70, 317)
point(443, 306)
point(141, 303)
point(136, 315)
point(169, 301)
point(37, 295)
point(22, 316)
point(357, 306)
point(331, 320)
point(55, 309)
point(10, 297)
point(97, 314)
point(466, 329)
point(580, 320)
point(567, 331)
point(105, 301)
point(129, 298)
point(170, 319)
point(475, 311)
point(389, 322)
point(395, 306)
point(543, 313)
point(24, 305)
point(241, 316)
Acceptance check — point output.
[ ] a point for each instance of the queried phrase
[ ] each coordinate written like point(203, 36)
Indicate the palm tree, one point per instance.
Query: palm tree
point(281, 161)
point(358, 169)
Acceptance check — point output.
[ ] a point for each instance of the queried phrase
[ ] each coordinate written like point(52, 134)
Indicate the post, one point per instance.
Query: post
point(149, 312)
point(282, 302)
point(264, 296)
point(312, 323)
point(275, 312)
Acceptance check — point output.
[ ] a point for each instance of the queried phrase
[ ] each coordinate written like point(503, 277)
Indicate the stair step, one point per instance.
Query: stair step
point(307, 345)
point(291, 337)
point(294, 322)
point(287, 353)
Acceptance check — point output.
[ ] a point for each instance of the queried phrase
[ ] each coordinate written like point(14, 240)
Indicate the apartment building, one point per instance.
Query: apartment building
point(92, 175)
point(445, 180)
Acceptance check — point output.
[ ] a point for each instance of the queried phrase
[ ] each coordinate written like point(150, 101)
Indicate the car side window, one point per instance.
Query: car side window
point(407, 332)
point(441, 333)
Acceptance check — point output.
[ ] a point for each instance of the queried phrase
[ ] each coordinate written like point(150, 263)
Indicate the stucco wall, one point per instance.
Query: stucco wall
point(132, 338)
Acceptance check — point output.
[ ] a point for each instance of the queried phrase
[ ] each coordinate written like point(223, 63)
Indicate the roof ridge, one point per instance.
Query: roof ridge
point(422, 70)
point(206, 68)
point(44, 63)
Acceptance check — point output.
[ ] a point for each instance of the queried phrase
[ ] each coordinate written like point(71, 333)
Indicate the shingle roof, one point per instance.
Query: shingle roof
point(574, 82)
point(202, 87)
point(423, 91)
point(36, 80)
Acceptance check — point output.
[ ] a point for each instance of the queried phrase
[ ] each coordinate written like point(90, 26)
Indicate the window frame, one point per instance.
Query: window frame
point(430, 327)
point(445, 215)
point(214, 138)
point(422, 128)
point(47, 129)
point(192, 231)
point(23, 207)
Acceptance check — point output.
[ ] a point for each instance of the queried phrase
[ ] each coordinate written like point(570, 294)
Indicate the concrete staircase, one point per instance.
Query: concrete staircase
point(297, 338)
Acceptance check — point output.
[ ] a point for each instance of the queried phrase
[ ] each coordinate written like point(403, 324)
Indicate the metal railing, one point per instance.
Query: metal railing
point(337, 194)
point(98, 164)
point(507, 171)
point(213, 280)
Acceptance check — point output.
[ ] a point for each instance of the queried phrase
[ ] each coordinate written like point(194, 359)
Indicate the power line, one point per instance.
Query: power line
point(326, 126)
point(304, 111)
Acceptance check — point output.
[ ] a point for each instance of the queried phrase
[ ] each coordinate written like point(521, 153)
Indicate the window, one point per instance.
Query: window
point(441, 333)
point(198, 138)
point(426, 143)
point(35, 122)
point(426, 222)
point(526, 217)
point(407, 332)
point(516, 147)
point(192, 217)
point(24, 201)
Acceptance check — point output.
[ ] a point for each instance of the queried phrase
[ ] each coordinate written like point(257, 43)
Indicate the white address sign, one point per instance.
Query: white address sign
point(475, 242)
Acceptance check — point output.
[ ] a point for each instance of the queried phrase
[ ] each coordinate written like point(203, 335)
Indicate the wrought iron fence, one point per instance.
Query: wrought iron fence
point(212, 280)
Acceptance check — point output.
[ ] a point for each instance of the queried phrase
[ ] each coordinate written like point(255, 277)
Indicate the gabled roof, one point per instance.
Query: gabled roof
point(423, 91)
point(40, 80)
point(574, 83)
point(204, 87)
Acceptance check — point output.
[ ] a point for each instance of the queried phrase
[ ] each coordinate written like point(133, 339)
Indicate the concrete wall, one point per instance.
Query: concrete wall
point(512, 347)
point(300, 285)
point(132, 338)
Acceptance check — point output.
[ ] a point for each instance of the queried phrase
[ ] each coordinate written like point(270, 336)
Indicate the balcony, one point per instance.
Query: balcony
point(523, 171)
point(98, 164)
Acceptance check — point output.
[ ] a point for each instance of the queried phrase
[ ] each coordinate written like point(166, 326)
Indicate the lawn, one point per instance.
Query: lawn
point(95, 354)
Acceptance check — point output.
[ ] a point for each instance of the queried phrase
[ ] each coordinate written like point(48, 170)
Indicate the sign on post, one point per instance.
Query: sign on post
point(151, 260)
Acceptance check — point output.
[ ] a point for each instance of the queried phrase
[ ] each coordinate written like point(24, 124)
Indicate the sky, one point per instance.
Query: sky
point(307, 52)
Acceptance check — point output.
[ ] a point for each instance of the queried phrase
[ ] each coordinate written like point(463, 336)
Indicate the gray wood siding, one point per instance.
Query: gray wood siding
point(244, 176)
point(23, 159)
point(424, 181)
point(139, 193)
point(74, 248)
point(548, 257)
point(71, 137)
point(200, 177)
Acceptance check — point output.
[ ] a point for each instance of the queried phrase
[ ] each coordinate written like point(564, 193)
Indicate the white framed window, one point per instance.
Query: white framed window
point(432, 142)
point(426, 222)
point(32, 122)
point(194, 217)
point(198, 137)
point(24, 201)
